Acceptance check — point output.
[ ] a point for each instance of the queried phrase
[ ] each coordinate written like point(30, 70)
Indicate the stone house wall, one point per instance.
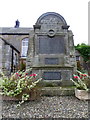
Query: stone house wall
point(7, 57)
point(11, 47)
point(15, 40)
point(1, 45)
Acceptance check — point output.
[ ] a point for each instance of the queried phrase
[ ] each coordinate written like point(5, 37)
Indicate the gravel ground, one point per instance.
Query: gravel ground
point(47, 107)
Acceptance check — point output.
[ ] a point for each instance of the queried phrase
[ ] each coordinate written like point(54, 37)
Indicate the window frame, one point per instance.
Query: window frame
point(24, 45)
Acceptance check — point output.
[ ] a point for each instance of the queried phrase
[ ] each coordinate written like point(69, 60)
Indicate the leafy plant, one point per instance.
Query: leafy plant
point(19, 84)
point(22, 66)
point(81, 80)
point(84, 51)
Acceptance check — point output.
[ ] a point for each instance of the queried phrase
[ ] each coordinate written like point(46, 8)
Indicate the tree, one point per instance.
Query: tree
point(84, 51)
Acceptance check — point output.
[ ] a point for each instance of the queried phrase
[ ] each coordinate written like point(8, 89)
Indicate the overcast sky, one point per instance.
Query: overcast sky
point(27, 12)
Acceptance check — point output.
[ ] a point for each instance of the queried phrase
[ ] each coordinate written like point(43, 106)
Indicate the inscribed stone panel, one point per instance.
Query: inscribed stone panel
point(51, 61)
point(52, 75)
point(54, 45)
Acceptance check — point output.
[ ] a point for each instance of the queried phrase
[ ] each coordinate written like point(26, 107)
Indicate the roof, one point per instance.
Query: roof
point(10, 45)
point(15, 31)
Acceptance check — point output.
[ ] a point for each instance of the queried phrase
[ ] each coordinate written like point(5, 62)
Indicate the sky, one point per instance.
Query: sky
point(75, 12)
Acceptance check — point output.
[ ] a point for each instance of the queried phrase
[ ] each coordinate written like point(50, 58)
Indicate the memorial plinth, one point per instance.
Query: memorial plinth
point(51, 49)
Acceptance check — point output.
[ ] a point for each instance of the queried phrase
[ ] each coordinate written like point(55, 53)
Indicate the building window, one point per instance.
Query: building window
point(24, 47)
point(77, 58)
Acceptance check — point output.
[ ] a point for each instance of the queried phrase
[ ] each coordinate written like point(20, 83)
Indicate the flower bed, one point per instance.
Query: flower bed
point(82, 82)
point(20, 86)
point(33, 95)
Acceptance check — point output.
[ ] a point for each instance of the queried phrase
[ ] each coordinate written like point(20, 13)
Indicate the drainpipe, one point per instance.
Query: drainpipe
point(12, 61)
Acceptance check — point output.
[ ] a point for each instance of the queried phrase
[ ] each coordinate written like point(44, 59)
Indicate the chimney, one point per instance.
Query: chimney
point(17, 24)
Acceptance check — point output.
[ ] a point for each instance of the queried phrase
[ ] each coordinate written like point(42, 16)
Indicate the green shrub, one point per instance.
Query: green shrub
point(81, 80)
point(20, 83)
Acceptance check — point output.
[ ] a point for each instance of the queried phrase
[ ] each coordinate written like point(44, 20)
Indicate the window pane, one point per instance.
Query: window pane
point(77, 58)
point(23, 43)
point(24, 51)
point(26, 43)
point(24, 47)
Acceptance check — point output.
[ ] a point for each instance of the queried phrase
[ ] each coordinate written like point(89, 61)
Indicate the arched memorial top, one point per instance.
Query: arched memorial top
point(53, 15)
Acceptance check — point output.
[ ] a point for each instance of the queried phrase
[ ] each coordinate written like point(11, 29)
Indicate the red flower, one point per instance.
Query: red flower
point(81, 74)
point(26, 73)
point(33, 75)
point(75, 76)
point(84, 75)
point(18, 74)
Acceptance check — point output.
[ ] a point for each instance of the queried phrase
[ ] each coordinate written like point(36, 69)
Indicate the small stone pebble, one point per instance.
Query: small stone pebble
point(47, 107)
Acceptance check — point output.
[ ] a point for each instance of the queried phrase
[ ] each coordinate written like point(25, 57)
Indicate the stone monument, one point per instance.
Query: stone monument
point(51, 49)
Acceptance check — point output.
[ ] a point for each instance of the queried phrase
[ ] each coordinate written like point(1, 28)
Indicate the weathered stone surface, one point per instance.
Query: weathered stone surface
point(9, 57)
point(57, 91)
point(54, 45)
point(1, 43)
point(51, 49)
point(82, 94)
point(52, 61)
point(51, 75)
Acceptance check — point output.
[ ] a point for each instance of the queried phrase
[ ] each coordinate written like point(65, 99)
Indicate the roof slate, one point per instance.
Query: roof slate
point(12, 30)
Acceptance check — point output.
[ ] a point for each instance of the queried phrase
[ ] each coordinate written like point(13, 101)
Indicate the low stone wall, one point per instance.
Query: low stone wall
point(45, 91)
point(57, 91)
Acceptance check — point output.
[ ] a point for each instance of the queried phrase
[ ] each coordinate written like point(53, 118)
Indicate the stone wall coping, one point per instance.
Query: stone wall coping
point(12, 30)
point(54, 66)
